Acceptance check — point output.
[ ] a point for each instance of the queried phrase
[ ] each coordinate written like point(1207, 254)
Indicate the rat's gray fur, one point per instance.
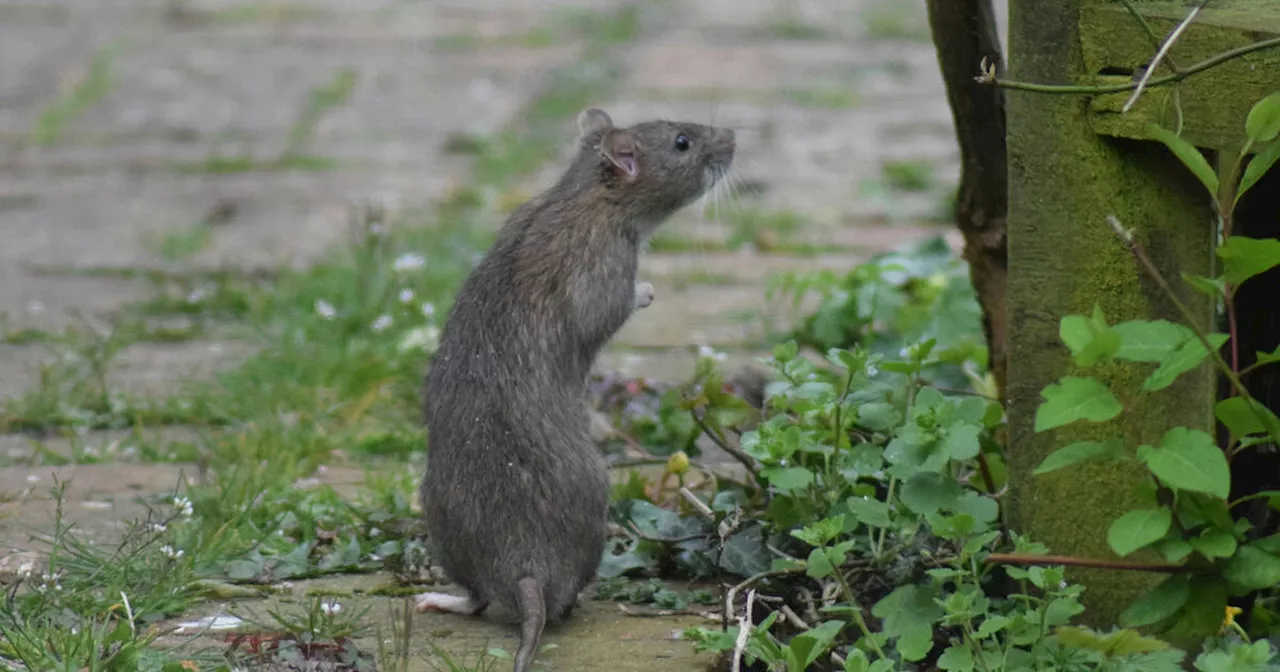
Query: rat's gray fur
point(515, 492)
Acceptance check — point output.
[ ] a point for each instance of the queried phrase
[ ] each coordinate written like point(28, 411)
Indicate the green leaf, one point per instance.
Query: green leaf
point(1138, 528)
point(1150, 340)
point(1186, 357)
point(1090, 339)
point(870, 512)
point(805, 648)
point(1080, 451)
point(1252, 568)
point(1215, 544)
point(878, 416)
point(956, 658)
point(1214, 287)
point(1189, 156)
point(1263, 122)
point(1243, 416)
point(961, 441)
point(984, 510)
point(1268, 357)
point(1159, 603)
point(788, 479)
point(1074, 398)
point(1189, 459)
point(928, 491)
point(908, 614)
point(1242, 257)
point(1258, 166)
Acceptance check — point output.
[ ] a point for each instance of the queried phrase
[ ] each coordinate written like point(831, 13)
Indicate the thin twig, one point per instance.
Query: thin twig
point(744, 633)
point(1135, 248)
point(1160, 55)
point(1053, 560)
point(1146, 28)
point(793, 618)
point(737, 454)
point(988, 76)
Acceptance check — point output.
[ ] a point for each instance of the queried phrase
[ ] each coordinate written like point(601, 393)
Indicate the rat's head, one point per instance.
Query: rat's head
point(657, 166)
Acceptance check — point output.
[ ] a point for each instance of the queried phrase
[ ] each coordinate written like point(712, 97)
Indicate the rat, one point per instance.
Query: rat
point(515, 492)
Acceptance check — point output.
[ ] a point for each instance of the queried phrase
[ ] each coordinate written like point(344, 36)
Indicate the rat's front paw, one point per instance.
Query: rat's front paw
point(644, 294)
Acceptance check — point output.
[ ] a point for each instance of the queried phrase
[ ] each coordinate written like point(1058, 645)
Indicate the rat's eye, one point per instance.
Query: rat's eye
point(682, 142)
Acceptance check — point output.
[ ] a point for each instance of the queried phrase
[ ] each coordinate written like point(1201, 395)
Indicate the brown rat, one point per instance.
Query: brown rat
point(515, 492)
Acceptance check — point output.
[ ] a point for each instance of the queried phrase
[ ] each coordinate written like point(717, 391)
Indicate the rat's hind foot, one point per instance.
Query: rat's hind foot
point(453, 604)
point(644, 295)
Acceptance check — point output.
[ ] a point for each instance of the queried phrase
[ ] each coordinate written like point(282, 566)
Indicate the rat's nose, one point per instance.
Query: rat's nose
point(725, 139)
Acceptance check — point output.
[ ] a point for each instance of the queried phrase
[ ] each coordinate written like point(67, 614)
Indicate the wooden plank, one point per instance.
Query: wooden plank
point(1214, 103)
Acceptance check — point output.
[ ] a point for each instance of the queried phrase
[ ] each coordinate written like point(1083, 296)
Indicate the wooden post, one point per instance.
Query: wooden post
point(1064, 179)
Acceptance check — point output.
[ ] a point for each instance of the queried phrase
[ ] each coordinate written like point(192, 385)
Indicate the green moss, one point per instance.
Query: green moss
point(1063, 257)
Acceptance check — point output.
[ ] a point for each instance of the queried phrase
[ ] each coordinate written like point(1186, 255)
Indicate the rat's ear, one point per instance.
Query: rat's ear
point(593, 120)
point(620, 148)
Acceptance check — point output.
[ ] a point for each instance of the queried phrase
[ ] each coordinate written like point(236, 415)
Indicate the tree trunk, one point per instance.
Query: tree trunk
point(964, 33)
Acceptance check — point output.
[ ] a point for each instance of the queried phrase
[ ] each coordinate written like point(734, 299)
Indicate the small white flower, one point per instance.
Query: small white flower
point(422, 338)
point(374, 532)
point(183, 506)
point(330, 608)
point(171, 552)
point(711, 353)
point(428, 310)
point(382, 323)
point(406, 295)
point(325, 309)
point(377, 229)
point(158, 527)
point(33, 478)
point(409, 262)
point(196, 296)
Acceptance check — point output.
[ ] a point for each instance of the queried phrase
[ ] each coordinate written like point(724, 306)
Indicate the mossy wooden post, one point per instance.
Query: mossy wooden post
point(1064, 179)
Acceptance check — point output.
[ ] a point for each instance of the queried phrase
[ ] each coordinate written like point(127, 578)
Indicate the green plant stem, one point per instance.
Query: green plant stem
point(893, 482)
point(978, 658)
point(857, 613)
point(1135, 248)
point(1256, 495)
point(1118, 88)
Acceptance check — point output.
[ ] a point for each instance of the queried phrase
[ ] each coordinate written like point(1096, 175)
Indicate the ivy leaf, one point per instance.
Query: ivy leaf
point(960, 441)
point(1185, 358)
point(1263, 122)
point(1149, 340)
point(1159, 603)
point(1257, 167)
point(1080, 451)
point(1252, 568)
point(745, 553)
point(928, 491)
point(1074, 398)
point(1138, 528)
point(1268, 357)
point(1189, 156)
point(1242, 258)
point(1189, 459)
point(908, 614)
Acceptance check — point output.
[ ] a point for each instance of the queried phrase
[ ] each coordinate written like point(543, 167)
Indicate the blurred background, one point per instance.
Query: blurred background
point(196, 134)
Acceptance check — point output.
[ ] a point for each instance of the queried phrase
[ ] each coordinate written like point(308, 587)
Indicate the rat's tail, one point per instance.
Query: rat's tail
point(533, 615)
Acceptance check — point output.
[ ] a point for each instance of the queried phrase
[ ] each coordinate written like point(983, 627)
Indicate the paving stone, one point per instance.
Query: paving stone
point(146, 369)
